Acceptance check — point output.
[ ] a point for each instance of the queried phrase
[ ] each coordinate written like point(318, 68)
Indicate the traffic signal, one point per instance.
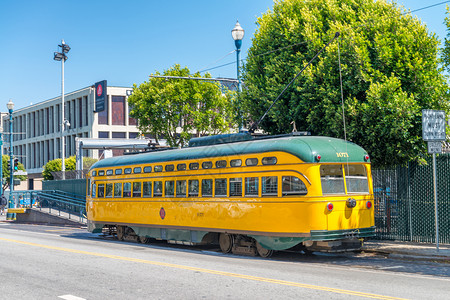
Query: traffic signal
point(16, 164)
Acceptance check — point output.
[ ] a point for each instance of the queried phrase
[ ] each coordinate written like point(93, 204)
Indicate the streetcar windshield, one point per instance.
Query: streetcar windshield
point(356, 179)
point(332, 179)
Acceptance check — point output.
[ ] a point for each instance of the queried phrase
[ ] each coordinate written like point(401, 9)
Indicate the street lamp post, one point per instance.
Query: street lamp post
point(61, 56)
point(10, 106)
point(238, 34)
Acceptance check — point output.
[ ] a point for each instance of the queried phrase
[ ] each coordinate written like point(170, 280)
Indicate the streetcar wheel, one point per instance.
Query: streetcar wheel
point(225, 242)
point(263, 252)
point(143, 239)
point(120, 233)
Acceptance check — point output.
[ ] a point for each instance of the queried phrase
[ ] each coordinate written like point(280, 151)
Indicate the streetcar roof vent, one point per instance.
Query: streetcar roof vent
point(220, 139)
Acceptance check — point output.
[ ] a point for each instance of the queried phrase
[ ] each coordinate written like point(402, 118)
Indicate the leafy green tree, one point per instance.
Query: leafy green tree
point(197, 106)
point(69, 164)
point(446, 49)
point(390, 72)
point(6, 173)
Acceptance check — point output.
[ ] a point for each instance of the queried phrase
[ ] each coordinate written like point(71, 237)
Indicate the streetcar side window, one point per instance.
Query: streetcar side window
point(148, 169)
point(94, 173)
point(169, 188)
point(221, 164)
point(332, 179)
point(251, 161)
point(127, 189)
point(158, 168)
point(118, 172)
point(207, 187)
point(291, 185)
point(157, 188)
point(193, 166)
point(94, 190)
point(236, 163)
point(89, 187)
point(127, 170)
point(207, 165)
point(136, 189)
point(118, 189)
point(269, 160)
point(356, 179)
point(236, 187)
point(109, 172)
point(101, 190)
point(251, 186)
point(181, 167)
point(181, 188)
point(147, 189)
point(170, 168)
point(220, 188)
point(137, 170)
point(109, 190)
point(101, 173)
point(193, 188)
point(269, 185)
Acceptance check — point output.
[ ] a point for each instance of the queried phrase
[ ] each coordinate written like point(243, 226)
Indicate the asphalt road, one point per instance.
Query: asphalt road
point(47, 262)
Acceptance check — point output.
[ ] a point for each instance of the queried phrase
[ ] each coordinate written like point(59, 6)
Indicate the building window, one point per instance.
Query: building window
point(118, 110)
point(133, 135)
point(80, 112)
point(86, 111)
point(103, 135)
point(103, 115)
point(118, 135)
point(131, 121)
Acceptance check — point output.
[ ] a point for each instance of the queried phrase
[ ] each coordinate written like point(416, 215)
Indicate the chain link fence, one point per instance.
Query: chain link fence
point(404, 202)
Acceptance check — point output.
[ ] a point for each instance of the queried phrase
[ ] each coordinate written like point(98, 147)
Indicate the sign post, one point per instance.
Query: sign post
point(433, 132)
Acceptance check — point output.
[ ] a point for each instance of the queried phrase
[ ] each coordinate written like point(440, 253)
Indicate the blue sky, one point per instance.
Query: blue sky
point(124, 41)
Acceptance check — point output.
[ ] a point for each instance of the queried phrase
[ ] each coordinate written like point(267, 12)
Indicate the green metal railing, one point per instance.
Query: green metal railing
point(404, 203)
point(71, 205)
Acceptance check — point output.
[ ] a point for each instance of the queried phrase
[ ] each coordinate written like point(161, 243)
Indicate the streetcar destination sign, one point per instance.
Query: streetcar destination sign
point(433, 125)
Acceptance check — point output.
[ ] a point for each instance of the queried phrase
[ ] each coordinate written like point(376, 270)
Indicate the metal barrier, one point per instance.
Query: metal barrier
point(65, 204)
point(404, 204)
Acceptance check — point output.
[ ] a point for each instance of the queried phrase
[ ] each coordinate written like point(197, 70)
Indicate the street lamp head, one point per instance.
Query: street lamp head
point(65, 48)
point(237, 33)
point(10, 105)
point(57, 56)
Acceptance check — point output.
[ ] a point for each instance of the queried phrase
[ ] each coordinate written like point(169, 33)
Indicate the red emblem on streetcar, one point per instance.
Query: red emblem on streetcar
point(162, 213)
point(99, 90)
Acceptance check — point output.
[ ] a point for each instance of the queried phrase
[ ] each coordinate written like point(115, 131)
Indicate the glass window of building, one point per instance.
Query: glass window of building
point(118, 110)
point(103, 115)
point(131, 121)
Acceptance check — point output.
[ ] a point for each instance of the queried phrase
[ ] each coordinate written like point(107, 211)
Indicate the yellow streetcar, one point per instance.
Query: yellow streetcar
point(249, 195)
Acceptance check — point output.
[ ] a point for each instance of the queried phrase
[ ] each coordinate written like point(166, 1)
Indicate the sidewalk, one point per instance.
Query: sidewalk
point(409, 250)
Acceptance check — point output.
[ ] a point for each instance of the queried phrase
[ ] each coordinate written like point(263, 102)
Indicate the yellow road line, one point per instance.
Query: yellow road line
point(227, 274)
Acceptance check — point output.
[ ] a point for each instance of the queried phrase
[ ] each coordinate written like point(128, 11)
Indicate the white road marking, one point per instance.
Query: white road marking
point(393, 267)
point(70, 297)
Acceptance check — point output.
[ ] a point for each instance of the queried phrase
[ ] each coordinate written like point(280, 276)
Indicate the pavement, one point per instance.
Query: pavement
point(395, 249)
point(409, 250)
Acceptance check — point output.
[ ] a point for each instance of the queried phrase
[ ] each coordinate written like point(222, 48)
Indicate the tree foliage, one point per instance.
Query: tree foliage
point(69, 164)
point(161, 105)
point(390, 72)
point(6, 173)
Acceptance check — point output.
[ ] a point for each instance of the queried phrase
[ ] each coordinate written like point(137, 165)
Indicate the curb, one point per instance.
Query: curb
point(409, 256)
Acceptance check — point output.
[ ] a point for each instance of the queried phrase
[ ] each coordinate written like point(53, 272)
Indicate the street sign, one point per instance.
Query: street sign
point(100, 95)
point(433, 125)
point(434, 147)
point(20, 172)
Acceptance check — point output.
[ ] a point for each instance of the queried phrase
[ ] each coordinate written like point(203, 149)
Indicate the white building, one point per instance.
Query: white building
point(37, 128)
